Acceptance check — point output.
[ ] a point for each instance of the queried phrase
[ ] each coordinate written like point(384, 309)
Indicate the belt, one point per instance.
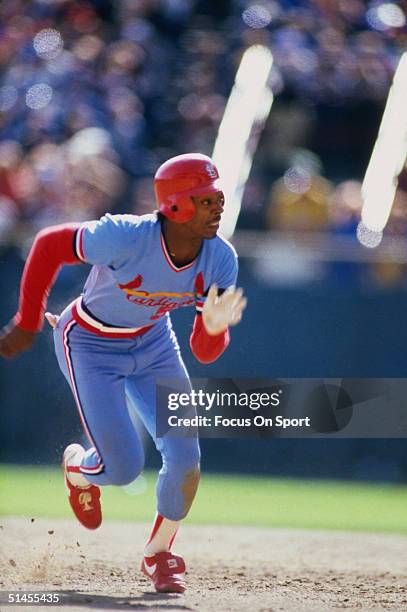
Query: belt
point(88, 321)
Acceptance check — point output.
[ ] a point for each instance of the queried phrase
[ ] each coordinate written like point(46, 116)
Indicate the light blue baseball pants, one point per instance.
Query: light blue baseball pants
point(102, 372)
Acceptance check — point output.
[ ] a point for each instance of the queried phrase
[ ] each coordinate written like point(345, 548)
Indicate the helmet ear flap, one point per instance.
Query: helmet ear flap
point(179, 209)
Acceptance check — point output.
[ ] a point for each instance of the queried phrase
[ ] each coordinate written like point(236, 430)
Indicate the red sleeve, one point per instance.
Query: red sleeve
point(207, 348)
point(52, 248)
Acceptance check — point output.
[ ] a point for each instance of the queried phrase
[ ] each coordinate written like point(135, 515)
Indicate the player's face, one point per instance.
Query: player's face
point(209, 209)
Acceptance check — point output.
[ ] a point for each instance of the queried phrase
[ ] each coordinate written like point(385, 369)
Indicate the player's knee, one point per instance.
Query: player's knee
point(125, 476)
point(185, 485)
point(124, 472)
point(187, 472)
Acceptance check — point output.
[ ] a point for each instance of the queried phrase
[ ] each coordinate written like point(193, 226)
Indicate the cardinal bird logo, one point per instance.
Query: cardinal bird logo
point(134, 284)
point(131, 289)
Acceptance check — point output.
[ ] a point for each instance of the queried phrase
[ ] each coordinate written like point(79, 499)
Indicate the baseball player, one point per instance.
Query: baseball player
point(115, 340)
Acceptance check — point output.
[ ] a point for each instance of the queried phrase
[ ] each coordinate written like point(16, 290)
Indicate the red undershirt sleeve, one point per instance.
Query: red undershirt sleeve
point(207, 348)
point(52, 248)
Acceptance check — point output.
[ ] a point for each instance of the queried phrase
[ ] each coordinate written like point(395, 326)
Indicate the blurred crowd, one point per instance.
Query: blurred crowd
point(94, 95)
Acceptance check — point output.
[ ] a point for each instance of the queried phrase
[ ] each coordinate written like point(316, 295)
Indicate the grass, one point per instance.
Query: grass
point(229, 500)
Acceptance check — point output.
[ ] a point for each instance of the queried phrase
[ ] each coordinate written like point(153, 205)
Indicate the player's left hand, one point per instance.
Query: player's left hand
point(221, 311)
point(14, 340)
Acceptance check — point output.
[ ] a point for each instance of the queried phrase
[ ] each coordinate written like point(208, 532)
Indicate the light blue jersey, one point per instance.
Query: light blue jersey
point(133, 282)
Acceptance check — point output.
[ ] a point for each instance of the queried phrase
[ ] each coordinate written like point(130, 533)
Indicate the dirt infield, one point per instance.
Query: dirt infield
point(230, 568)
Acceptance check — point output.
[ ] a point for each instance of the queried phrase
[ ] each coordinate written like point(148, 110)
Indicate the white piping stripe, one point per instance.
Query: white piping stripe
point(88, 470)
point(78, 241)
point(99, 326)
point(169, 260)
point(67, 329)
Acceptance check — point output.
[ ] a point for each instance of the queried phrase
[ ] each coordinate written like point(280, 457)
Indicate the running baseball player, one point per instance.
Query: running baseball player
point(115, 340)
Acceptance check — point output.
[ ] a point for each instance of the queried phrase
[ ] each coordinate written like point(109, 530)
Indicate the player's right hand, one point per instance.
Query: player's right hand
point(15, 340)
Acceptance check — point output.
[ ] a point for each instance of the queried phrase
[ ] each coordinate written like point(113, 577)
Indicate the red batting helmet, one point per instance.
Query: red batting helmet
point(180, 178)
